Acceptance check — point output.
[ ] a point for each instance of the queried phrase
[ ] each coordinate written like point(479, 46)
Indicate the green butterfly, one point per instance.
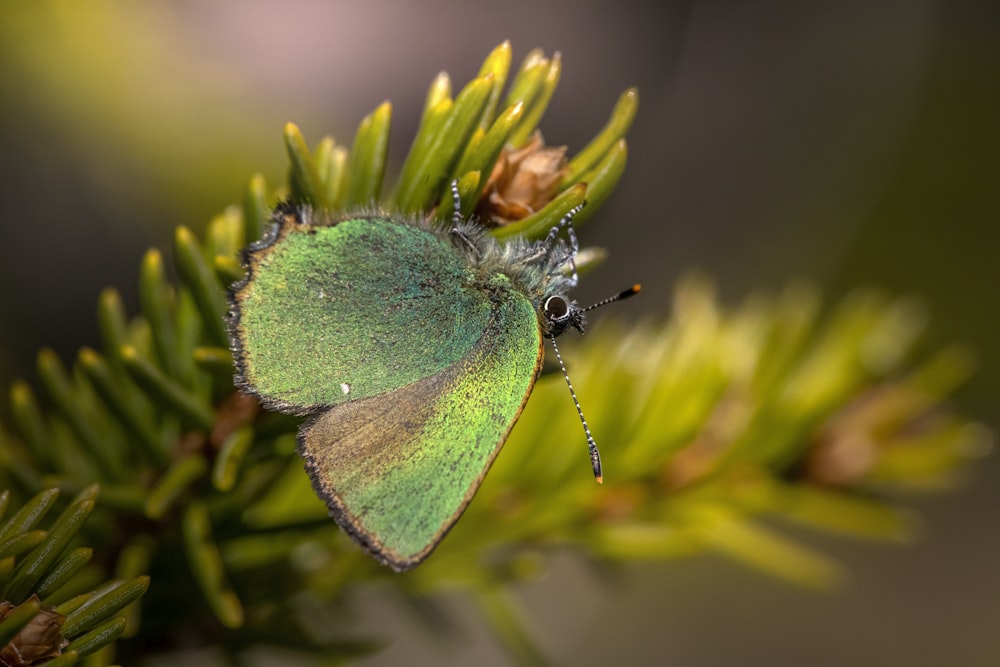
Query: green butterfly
point(412, 347)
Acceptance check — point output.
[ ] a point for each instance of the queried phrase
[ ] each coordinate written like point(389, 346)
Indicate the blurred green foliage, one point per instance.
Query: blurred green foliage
point(111, 84)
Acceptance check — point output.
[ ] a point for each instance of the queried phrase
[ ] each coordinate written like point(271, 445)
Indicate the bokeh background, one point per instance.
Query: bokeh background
point(847, 143)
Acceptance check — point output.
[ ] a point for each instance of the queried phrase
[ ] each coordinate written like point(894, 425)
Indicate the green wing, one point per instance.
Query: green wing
point(330, 314)
point(397, 470)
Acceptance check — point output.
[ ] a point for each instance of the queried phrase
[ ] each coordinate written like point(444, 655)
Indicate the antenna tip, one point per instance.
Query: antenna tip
point(636, 288)
point(599, 479)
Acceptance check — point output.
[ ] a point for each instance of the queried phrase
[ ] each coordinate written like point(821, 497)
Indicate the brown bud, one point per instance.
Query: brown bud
point(523, 181)
point(38, 641)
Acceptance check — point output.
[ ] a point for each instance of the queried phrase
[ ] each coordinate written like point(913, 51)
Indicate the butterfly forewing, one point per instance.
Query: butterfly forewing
point(335, 313)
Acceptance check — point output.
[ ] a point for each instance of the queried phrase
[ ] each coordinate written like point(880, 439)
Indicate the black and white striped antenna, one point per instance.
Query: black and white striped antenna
point(595, 455)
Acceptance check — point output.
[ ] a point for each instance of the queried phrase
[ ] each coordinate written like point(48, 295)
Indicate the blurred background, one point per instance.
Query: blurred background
point(847, 143)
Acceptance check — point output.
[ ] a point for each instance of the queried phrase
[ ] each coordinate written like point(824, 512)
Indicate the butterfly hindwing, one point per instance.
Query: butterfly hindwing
point(398, 469)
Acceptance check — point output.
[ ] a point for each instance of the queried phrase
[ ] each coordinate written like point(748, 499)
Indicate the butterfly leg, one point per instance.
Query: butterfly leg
point(456, 219)
point(456, 214)
point(550, 244)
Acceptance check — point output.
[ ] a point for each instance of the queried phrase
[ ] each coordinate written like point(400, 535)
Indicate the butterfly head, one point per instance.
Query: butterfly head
point(559, 313)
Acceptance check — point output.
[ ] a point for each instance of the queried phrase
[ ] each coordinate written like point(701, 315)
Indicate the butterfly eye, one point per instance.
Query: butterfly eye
point(556, 308)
